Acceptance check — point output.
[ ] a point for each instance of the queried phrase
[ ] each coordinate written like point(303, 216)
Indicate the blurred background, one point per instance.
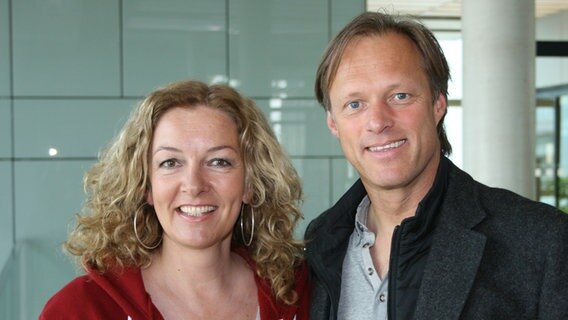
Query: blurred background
point(72, 70)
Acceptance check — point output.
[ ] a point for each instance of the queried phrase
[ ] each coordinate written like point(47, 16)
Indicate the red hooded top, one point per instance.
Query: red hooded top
point(122, 295)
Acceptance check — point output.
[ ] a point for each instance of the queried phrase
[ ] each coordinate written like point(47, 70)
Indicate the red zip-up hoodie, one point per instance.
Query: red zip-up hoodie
point(121, 295)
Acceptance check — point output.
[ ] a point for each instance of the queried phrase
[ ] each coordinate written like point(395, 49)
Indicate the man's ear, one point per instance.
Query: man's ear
point(440, 107)
point(331, 125)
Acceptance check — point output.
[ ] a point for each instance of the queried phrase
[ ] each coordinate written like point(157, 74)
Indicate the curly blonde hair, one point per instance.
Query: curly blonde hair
point(117, 184)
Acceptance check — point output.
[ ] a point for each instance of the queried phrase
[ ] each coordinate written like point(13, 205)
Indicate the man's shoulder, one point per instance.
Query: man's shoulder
point(324, 218)
point(504, 200)
point(319, 226)
point(514, 207)
point(341, 213)
point(505, 208)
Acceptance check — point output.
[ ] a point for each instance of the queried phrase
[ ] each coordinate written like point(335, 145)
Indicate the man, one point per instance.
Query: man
point(416, 237)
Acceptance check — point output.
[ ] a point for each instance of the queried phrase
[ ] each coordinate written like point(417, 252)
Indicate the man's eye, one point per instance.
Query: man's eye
point(354, 104)
point(401, 96)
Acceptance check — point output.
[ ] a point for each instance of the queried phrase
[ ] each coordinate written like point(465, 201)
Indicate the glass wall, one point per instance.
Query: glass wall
point(545, 151)
point(563, 161)
point(71, 71)
point(552, 147)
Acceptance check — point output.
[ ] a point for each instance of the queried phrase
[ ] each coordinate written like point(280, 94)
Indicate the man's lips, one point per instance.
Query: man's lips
point(196, 211)
point(389, 146)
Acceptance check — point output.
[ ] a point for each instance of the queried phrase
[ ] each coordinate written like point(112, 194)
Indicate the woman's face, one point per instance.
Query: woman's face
point(197, 176)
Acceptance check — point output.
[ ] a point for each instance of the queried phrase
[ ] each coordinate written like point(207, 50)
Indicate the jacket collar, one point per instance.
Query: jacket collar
point(454, 256)
point(327, 238)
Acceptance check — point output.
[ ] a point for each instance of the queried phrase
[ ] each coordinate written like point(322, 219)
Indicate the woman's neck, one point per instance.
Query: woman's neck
point(197, 282)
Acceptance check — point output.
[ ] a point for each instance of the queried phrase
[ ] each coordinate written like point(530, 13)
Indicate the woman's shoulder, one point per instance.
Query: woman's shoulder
point(304, 291)
point(302, 277)
point(81, 296)
point(98, 295)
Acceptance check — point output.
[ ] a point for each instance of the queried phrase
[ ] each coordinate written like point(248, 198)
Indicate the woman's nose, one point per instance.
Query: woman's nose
point(194, 181)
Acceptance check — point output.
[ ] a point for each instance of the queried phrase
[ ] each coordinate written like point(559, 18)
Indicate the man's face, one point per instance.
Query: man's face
point(382, 113)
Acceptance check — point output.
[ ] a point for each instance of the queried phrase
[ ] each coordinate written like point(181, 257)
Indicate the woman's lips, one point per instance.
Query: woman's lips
point(196, 211)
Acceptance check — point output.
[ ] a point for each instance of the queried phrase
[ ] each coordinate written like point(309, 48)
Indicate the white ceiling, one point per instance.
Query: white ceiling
point(451, 8)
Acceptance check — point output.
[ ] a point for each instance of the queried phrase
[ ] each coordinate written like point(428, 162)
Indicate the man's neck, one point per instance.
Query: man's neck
point(390, 206)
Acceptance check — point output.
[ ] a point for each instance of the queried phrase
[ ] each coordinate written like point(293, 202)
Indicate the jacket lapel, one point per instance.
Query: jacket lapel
point(451, 269)
point(455, 253)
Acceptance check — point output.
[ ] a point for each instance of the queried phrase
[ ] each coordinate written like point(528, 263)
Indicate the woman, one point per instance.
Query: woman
point(190, 215)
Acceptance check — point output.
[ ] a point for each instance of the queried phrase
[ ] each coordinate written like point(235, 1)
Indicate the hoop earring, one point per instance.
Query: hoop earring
point(247, 243)
point(138, 238)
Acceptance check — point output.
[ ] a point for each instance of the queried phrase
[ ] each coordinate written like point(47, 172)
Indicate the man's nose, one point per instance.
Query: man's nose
point(380, 117)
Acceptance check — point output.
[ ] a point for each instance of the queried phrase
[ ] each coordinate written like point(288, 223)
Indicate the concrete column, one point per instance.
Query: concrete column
point(499, 93)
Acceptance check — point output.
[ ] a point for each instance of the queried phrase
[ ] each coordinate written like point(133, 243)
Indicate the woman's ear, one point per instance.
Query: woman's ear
point(247, 196)
point(149, 198)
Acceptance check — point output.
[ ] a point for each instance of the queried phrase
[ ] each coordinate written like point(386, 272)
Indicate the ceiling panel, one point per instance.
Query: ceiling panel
point(451, 8)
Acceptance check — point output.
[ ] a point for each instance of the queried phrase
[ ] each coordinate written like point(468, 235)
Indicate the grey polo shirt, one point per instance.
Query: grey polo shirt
point(363, 293)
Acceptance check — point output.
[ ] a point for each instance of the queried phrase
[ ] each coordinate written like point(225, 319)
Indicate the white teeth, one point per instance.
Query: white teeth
point(196, 211)
point(392, 145)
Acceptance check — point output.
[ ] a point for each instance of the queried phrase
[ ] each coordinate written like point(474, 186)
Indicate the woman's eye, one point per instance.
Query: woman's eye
point(170, 163)
point(354, 104)
point(218, 162)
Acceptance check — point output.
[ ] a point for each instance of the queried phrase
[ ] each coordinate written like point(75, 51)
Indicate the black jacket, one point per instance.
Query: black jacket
point(493, 255)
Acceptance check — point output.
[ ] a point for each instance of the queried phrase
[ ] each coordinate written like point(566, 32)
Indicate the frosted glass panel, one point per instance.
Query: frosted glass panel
point(67, 128)
point(453, 51)
point(300, 126)
point(6, 213)
point(58, 195)
point(9, 290)
point(343, 11)
point(5, 129)
point(171, 40)
point(344, 176)
point(317, 189)
point(42, 226)
point(4, 49)
point(551, 71)
point(43, 270)
point(453, 122)
point(66, 48)
point(275, 46)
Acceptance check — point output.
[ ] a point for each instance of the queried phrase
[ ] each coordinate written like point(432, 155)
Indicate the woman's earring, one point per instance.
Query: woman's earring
point(247, 243)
